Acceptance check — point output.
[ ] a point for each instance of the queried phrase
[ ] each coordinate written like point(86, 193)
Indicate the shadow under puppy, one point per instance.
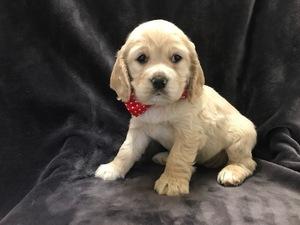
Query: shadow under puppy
point(158, 75)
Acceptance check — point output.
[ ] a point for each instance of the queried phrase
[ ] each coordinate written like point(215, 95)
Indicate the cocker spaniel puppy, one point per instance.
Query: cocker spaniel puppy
point(158, 75)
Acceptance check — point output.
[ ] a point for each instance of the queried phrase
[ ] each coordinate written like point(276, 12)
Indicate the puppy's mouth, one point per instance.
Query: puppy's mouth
point(159, 97)
point(159, 93)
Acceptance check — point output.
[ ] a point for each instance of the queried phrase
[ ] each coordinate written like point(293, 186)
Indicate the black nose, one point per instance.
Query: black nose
point(159, 82)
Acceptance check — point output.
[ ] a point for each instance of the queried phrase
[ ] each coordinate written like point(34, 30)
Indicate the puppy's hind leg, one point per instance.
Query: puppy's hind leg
point(161, 158)
point(240, 163)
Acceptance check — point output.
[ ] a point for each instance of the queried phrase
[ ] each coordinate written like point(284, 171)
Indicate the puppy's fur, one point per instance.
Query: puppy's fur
point(203, 129)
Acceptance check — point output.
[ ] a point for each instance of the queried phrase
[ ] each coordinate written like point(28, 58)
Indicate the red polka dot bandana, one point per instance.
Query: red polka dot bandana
point(136, 108)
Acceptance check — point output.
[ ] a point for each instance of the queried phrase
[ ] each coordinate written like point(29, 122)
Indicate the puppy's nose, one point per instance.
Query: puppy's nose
point(159, 82)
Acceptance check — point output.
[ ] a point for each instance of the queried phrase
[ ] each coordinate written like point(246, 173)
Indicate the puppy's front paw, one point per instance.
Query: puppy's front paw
point(233, 175)
point(171, 185)
point(108, 172)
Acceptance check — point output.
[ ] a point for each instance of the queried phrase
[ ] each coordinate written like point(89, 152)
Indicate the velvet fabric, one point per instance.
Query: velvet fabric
point(60, 120)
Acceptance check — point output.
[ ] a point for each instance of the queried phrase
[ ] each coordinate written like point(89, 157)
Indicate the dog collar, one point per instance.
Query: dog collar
point(136, 108)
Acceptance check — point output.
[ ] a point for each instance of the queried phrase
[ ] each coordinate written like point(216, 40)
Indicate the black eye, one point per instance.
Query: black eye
point(142, 59)
point(176, 58)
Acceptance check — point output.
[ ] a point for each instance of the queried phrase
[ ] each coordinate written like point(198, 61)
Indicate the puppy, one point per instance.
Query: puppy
point(157, 74)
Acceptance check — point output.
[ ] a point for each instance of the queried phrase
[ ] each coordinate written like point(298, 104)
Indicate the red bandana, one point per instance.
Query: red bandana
point(136, 108)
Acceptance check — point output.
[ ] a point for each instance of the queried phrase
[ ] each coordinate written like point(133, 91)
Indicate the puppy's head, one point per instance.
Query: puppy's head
point(158, 61)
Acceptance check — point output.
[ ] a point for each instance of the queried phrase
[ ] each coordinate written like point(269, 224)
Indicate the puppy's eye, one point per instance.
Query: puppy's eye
point(142, 59)
point(176, 58)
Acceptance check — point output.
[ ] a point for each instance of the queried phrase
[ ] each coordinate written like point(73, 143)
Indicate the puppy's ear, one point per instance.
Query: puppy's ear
point(196, 80)
point(119, 79)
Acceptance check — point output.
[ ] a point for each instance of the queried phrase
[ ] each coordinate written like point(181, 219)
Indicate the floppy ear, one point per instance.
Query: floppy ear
point(196, 80)
point(119, 79)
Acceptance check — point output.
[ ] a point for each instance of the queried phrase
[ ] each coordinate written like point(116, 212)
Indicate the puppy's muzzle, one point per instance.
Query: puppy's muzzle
point(159, 82)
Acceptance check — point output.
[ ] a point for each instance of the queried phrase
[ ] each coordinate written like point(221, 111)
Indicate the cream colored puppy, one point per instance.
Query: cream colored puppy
point(158, 69)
